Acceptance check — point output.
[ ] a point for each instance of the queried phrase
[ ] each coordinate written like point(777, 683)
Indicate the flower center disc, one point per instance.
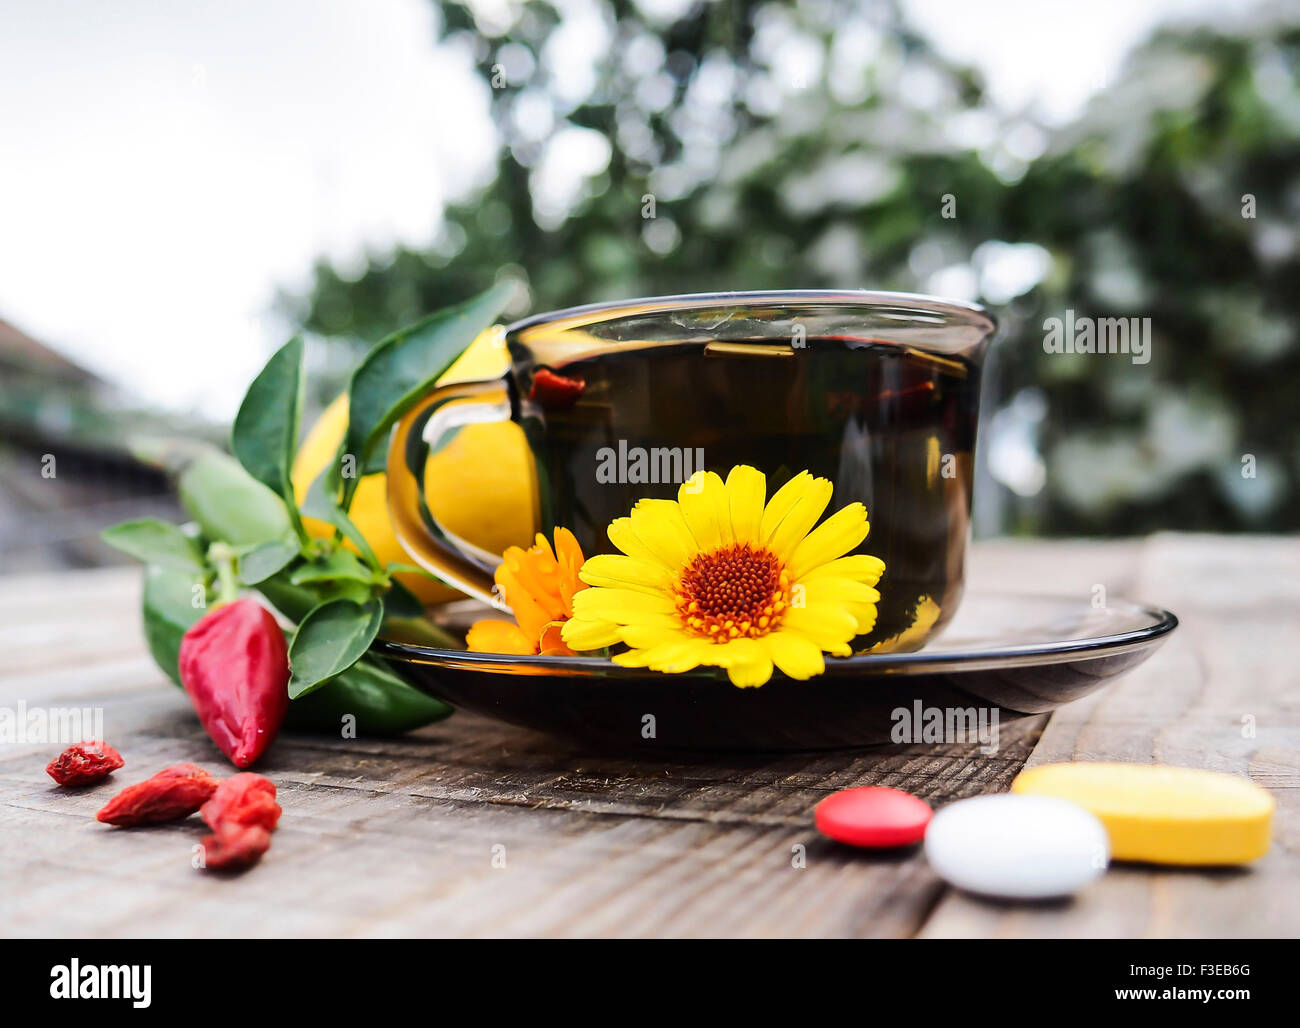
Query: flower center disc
point(734, 591)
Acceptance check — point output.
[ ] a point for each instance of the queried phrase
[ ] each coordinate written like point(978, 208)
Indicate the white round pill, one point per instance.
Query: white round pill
point(1017, 847)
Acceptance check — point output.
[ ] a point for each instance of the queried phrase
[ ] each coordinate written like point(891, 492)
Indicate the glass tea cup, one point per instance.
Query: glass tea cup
point(615, 402)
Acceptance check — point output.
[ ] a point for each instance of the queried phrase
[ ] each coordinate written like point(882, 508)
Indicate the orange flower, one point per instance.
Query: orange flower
point(538, 584)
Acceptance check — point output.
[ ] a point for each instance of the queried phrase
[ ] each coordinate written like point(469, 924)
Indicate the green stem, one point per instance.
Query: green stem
point(295, 518)
point(223, 557)
point(347, 484)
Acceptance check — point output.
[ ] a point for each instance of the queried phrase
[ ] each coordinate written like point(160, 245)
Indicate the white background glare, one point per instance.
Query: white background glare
point(165, 168)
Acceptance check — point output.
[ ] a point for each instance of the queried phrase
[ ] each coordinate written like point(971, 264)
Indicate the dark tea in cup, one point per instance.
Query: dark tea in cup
point(877, 392)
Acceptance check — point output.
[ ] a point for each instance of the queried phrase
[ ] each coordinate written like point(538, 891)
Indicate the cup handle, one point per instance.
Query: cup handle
point(417, 434)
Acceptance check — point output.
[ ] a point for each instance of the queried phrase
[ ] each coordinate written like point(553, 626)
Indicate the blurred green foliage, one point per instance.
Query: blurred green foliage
point(822, 145)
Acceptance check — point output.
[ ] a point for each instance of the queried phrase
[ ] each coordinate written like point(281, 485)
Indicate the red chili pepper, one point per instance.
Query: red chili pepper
point(242, 800)
point(235, 846)
point(554, 391)
point(172, 793)
point(235, 667)
point(84, 763)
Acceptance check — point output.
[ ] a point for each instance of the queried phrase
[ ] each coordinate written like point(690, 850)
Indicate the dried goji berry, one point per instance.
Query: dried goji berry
point(172, 793)
point(242, 800)
point(83, 763)
point(235, 846)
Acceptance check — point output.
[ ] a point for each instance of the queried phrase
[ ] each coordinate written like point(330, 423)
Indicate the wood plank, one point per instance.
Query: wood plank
point(400, 834)
point(396, 837)
point(1191, 705)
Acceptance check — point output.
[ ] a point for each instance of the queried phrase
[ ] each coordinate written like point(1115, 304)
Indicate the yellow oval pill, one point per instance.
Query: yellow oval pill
point(1164, 815)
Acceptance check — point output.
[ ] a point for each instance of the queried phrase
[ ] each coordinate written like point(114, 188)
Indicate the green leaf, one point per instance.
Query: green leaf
point(401, 368)
point(265, 434)
point(400, 602)
point(262, 561)
point(380, 703)
point(394, 567)
point(156, 542)
point(421, 632)
point(377, 463)
point(331, 638)
point(338, 565)
point(168, 611)
point(230, 505)
point(295, 602)
point(318, 504)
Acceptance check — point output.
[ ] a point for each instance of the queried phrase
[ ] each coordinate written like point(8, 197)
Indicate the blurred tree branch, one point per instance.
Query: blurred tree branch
point(813, 146)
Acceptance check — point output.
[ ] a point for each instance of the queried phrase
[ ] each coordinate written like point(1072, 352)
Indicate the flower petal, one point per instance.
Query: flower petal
point(801, 517)
point(861, 567)
point(752, 675)
point(551, 642)
point(866, 615)
point(830, 627)
point(675, 656)
point(689, 653)
point(568, 555)
point(660, 525)
point(837, 591)
point(653, 630)
point(494, 636)
point(703, 499)
point(616, 570)
point(623, 535)
point(621, 606)
point(746, 490)
point(781, 502)
point(837, 535)
point(748, 663)
point(542, 549)
point(532, 611)
point(589, 634)
point(795, 654)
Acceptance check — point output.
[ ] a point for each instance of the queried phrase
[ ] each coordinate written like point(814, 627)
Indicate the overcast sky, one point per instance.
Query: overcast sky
point(165, 167)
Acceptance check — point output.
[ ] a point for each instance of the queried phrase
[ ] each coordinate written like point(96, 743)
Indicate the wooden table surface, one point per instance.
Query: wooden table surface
point(471, 828)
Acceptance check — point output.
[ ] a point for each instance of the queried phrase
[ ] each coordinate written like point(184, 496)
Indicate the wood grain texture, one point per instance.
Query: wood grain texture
point(1221, 695)
point(407, 837)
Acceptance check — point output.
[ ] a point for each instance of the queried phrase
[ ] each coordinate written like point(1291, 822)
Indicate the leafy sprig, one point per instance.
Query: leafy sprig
point(248, 526)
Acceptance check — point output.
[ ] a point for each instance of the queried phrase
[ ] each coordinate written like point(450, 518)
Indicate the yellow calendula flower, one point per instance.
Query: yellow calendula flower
point(720, 578)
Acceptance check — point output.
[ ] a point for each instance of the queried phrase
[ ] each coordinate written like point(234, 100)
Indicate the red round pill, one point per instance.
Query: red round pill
point(874, 816)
